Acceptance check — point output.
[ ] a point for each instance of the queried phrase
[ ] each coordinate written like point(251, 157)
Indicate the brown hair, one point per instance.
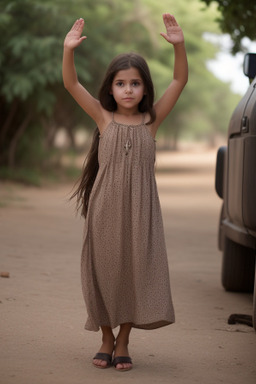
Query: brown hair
point(122, 62)
point(91, 164)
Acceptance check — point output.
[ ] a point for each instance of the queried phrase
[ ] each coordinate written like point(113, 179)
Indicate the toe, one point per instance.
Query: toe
point(124, 366)
point(103, 363)
point(100, 363)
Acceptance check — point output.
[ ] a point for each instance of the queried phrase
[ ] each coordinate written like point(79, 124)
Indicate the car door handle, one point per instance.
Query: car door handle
point(245, 124)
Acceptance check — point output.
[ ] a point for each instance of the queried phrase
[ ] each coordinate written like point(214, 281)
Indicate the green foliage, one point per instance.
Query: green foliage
point(33, 101)
point(29, 52)
point(22, 175)
point(30, 59)
point(237, 18)
point(206, 104)
point(31, 151)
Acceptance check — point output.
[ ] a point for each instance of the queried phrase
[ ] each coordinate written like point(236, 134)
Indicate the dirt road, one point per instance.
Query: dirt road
point(42, 309)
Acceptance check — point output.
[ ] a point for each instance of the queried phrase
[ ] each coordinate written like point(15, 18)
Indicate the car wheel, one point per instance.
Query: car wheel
point(238, 267)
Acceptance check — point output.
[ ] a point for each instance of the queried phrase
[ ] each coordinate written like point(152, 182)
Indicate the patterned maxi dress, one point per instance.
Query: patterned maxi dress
point(124, 270)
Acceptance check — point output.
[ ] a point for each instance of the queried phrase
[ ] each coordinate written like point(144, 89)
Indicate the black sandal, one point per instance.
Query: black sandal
point(105, 357)
point(122, 360)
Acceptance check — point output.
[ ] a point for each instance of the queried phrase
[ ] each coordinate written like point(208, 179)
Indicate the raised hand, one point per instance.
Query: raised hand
point(174, 34)
point(74, 38)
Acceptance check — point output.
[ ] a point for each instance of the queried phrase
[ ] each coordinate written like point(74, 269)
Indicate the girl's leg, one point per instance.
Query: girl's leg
point(108, 342)
point(122, 341)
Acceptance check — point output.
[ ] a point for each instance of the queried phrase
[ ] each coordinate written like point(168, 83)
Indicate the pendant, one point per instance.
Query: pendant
point(127, 146)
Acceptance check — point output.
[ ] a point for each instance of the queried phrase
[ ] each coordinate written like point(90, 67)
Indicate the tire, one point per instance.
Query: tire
point(238, 267)
point(254, 303)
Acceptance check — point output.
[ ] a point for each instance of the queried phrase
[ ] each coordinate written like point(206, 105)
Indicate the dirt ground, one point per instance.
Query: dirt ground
point(42, 309)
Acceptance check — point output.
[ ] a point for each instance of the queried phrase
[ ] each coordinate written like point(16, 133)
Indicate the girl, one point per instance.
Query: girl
point(124, 268)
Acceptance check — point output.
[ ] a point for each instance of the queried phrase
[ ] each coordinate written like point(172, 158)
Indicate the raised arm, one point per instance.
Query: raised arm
point(71, 83)
point(174, 36)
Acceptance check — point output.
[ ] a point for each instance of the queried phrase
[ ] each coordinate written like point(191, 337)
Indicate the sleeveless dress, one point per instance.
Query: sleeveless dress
point(124, 269)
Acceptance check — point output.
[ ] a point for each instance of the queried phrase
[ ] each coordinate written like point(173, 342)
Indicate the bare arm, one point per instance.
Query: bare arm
point(165, 104)
point(73, 39)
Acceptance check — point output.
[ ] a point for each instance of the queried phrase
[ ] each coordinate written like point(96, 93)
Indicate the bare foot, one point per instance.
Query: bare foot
point(121, 349)
point(107, 347)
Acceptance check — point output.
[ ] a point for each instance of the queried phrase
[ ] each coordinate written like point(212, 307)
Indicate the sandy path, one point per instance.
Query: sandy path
point(42, 309)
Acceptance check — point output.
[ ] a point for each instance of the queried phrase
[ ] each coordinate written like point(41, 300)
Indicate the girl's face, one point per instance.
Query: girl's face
point(128, 89)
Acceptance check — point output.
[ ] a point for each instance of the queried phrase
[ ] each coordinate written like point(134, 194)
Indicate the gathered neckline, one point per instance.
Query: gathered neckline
point(129, 125)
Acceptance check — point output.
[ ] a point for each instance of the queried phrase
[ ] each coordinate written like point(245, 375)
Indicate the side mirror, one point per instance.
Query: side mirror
point(250, 65)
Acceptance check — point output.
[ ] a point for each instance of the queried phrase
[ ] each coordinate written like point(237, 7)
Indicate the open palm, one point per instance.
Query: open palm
point(174, 34)
point(74, 38)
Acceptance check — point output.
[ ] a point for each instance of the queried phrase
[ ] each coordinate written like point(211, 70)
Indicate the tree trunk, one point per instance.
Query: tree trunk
point(50, 131)
point(13, 144)
point(8, 121)
point(71, 136)
point(5, 128)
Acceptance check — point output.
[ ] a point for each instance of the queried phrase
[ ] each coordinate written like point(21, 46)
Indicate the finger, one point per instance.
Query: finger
point(173, 20)
point(82, 39)
point(80, 22)
point(78, 25)
point(165, 36)
point(169, 20)
point(165, 18)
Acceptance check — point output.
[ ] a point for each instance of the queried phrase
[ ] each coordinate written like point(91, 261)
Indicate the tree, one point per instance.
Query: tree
point(198, 113)
point(33, 101)
point(32, 95)
point(237, 18)
point(29, 68)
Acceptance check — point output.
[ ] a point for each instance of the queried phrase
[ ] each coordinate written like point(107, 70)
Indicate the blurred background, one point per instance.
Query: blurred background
point(44, 135)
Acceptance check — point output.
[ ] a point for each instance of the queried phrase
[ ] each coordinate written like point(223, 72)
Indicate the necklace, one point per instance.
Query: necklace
point(127, 146)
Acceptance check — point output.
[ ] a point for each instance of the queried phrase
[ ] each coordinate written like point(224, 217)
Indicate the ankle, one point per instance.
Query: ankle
point(122, 341)
point(107, 333)
point(109, 338)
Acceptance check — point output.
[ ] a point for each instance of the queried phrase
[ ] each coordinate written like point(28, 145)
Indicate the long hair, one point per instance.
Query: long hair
point(91, 164)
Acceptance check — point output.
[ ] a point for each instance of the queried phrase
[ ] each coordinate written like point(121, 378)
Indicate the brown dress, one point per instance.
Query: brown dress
point(125, 277)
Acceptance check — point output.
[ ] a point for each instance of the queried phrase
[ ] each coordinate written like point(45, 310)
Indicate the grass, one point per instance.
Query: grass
point(37, 178)
point(20, 175)
point(57, 168)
